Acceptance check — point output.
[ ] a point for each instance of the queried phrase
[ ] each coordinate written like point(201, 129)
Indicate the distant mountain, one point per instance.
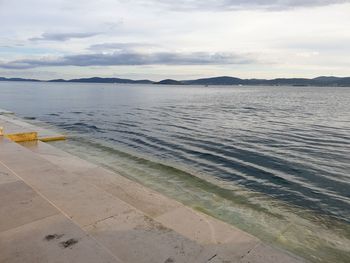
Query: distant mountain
point(344, 82)
point(320, 81)
point(57, 80)
point(215, 81)
point(225, 80)
point(238, 81)
point(104, 80)
point(169, 82)
point(332, 81)
point(17, 79)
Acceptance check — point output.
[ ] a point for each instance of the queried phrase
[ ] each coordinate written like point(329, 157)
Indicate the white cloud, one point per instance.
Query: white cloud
point(286, 37)
point(223, 5)
point(132, 58)
point(64, 36)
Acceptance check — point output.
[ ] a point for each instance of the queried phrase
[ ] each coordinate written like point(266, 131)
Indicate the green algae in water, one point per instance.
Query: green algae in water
point(303, 232)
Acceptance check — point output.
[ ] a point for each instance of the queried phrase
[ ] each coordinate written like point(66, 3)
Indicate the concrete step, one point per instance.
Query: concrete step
point(118, 218)
point(126, 232)
point(216, 240)
point(33, 230)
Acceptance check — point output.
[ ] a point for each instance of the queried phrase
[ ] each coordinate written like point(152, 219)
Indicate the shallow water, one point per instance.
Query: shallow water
point(273, 161)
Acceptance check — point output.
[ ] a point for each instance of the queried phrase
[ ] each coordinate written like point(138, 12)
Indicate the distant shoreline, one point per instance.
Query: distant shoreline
point(215, 81)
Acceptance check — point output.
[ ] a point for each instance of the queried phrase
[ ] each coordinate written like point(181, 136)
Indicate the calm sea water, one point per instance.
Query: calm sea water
point(274, 161)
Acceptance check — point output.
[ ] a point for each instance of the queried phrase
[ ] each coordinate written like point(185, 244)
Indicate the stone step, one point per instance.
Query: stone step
point(123, 230)
point(215, 238)
point(33, 230)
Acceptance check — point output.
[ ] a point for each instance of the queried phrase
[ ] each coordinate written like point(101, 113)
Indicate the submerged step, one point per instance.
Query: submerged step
point(157, 221)
point(121, 220)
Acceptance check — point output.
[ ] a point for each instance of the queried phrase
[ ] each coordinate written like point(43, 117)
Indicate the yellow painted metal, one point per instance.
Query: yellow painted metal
point(22, 137)
point(54, 138)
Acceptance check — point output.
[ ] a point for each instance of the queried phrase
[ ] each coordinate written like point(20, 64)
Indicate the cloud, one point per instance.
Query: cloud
point(133, 58)
point(63, 36)
point(116, 32)
point(120, 46)
point(222, 5)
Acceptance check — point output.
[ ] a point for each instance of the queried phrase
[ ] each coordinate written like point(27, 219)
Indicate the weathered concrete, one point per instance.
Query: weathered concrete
point(264, 253)
point(33, 230)
point(21, 205)
point(53, 239)
point(49, 191)
point(6, 176)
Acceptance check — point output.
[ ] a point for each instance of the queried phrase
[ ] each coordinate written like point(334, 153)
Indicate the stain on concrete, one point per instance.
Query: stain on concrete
point(53, 236)
point(69, 243)
point(210, 259)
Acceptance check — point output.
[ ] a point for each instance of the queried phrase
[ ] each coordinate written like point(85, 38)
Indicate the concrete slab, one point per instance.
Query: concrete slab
point(265, 253)
point(53, 239)
point(136, 238)
point(85, 203)
point(213, 236)
point(150, 202)
point(126, 221)
point(82, 201)
point(66, 161)
point(21, 205)
point(204, 229)
point(229, 243)
point(4, 140)
point(6, 176)
point(138, 196)
point(14, 156)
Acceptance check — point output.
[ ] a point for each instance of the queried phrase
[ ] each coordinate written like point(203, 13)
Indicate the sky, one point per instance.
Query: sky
point(183, 39)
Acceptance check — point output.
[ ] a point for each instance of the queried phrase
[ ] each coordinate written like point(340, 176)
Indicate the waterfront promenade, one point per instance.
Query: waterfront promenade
point(55, 207)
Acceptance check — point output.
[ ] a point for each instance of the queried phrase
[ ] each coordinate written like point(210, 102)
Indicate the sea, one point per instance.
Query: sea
point(272, 161)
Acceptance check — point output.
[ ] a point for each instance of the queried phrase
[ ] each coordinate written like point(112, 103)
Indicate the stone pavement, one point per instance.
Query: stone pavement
point(55, 207)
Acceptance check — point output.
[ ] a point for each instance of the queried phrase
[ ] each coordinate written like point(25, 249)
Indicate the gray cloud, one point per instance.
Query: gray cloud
point(134, 58)
point(63, 36)
point(119, 46)
point(243, 4)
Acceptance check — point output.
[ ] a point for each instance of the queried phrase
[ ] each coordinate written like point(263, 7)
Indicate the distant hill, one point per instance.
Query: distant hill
point(225, 80)
point(104, 80)
point(169, 82)
point(215, 81)
point(17, 79)
point(320, 81)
